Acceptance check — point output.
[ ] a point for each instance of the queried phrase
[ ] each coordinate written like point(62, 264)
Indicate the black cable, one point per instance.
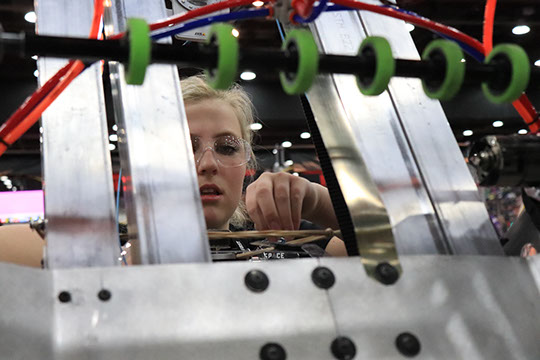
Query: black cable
point(338, 201)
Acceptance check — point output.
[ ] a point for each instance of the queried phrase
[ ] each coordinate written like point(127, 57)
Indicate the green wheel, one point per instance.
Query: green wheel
point(223, 76)
point(385, 65)
point(308, 62)
point(140, 48)
point(454, 73)
point(520, 70)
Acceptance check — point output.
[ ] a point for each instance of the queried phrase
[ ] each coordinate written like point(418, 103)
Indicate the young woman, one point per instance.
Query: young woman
point(219, 126)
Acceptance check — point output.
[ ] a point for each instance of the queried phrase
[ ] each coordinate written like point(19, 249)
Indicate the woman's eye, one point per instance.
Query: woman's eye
point(226, 149)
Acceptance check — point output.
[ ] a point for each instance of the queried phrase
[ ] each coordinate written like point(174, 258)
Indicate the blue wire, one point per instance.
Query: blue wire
point(317, 10)
point(245, 14)
point(280, 29)
point(117, 212)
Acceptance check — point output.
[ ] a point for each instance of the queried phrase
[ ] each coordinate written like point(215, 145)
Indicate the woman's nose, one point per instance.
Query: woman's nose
point(207, 162)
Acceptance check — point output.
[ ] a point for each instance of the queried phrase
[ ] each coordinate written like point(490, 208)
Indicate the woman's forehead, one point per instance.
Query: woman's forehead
point(212, 118)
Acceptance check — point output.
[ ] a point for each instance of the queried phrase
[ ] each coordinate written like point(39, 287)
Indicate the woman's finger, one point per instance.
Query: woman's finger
point(282, 185)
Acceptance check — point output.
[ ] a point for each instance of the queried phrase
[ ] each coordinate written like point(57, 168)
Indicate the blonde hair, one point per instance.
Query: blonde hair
point(195, 89)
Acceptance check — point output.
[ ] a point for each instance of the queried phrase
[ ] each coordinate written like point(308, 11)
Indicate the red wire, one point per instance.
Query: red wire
point(422, 22)
point(208, 9)
point(35, 114)
point(489, 19)
point(29, 113)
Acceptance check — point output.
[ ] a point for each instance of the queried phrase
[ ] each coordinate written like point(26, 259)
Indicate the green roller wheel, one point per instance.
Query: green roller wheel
point(520, 70)
point(308, 62)
point(454, 73)
point(385, 65)
point(223, 76)
point(140, 48)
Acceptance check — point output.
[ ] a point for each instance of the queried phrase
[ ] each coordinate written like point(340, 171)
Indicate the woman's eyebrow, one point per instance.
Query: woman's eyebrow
point(225, 133)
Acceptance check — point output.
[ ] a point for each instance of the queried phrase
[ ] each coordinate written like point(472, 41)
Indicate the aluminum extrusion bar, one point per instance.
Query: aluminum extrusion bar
point(377, 136)
point(462, 213)
point(79, 196)
point(430, 196)
point(164, 209)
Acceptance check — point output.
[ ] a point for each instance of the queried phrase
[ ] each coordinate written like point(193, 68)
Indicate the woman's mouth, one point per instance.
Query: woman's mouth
point(210, 192)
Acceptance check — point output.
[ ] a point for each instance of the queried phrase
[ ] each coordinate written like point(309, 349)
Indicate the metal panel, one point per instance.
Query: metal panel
point(79, 196)
point(459, 307)
point(379, 138)
point(163, 203)
point(454, 195)
point(424, 212)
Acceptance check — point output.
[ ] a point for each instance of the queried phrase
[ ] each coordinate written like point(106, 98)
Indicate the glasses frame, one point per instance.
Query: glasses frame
point(206, 146)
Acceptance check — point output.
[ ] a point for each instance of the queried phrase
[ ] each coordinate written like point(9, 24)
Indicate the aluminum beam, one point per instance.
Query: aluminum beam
point(79, 196)
point(407, 145)
point(164, 209)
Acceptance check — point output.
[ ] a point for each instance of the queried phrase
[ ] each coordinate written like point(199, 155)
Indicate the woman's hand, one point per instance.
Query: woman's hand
point(277, 201)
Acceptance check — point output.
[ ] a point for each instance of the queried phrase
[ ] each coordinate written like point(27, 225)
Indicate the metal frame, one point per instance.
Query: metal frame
point(79, 196)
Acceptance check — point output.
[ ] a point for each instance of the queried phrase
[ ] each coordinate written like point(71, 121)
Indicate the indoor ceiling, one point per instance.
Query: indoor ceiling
point(469, 111)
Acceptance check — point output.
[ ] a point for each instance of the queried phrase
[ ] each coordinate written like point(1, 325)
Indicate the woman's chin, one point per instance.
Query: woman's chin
point(213, 220)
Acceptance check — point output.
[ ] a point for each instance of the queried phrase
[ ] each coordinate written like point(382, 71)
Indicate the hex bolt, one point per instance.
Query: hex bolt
point(323, 277)
point(64, 297)
point(343, 348)
point(386, 273)
point(256, 281)
point(104, 295)
point(272, 351)
point(408, 344)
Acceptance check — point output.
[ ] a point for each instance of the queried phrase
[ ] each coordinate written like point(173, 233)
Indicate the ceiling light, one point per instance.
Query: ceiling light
point(305, 135)
point(248, 75)
point(409, 27)
point(235, 32)
point(258, 3)
point(521, 30)
point(113, 137)
point(286, 144)
point(3, 178)
point(14, 188)
point(497, 123)
point(36, 73)
point(537, 63)
point(115, 127)
point(255, 126)
point(296, 174)
point(288, 162)
point(128, 245)
point(34, 57)
point(463, 60)
point(522, 132)
point(30, 17)
point(112, 147)
point(467, 133)
point(9, 186)
point(7, 182)
point(41, 130)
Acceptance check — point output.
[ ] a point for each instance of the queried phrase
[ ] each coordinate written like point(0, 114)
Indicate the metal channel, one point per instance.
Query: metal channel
point(371, 124)
point(454, 195)
point(164, 210)
point(79, 196)
point(420, 227)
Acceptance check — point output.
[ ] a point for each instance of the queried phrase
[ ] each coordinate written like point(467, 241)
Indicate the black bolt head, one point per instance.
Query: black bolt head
point(343, 348)
point(323, 277)
point(104, 295)
point(256, 281)
point(64, 297)
point(386, 273)
point(408, 344)
point(272, 351)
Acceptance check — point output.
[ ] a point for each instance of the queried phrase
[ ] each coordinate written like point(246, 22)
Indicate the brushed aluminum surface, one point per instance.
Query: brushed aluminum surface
point(453, 193)
point(164, 209)
point(380, 140)
point(459, 307)
point(429, 194)
point(79, 196)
